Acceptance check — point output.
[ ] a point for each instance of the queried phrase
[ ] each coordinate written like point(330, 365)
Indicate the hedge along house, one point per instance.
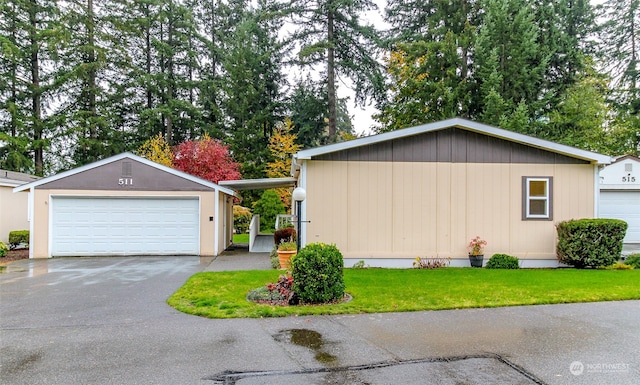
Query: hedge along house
point(426, 191)
point(126, 205)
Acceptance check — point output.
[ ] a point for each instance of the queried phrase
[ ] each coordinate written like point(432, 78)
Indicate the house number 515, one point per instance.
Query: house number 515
point(125, 181)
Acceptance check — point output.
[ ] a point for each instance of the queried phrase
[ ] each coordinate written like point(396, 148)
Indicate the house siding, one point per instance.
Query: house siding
point(451, 144)
point(13, 211)
point(404, 210)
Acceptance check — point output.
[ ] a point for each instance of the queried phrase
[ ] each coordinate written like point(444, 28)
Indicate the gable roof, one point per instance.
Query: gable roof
point(13, 178)
point(627, 157)
point(463, 124)
point(116, 158)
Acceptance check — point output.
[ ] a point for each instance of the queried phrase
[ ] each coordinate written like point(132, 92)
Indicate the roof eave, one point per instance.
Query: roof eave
point(465, 124)
point(122, 156)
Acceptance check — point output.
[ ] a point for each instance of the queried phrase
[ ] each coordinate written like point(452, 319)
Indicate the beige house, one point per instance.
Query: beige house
point(127, 205)
point(426, 191)
point(13, 207)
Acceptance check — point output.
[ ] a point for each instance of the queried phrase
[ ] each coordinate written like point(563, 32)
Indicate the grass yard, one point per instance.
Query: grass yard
point(223, 294)
point(241, 238)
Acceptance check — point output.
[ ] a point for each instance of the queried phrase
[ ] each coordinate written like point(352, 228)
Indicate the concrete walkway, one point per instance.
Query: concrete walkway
point(238, 257)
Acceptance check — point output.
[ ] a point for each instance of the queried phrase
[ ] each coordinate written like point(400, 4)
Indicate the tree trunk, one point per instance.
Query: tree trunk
point(148, 57)
point(331, 76)
point(36, 101)
point(91, 76)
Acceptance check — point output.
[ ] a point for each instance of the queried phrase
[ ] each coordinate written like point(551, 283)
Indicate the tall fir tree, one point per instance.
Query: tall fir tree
point(430, 61)
point(31, 35)
point(252, 98)
point(330, 33)
point(508, 55)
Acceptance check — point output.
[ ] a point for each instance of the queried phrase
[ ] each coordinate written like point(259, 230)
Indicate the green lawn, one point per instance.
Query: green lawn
point(240, 238)
point(223, 294)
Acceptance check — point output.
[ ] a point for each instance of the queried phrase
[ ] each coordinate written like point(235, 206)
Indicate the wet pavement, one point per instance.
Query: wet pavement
point(105, 321)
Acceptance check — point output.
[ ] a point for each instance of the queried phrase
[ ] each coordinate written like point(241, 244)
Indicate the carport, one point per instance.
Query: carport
point(127, 205)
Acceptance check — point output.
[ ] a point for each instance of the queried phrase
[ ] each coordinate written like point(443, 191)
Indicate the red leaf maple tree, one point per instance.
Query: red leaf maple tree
point(207, 159)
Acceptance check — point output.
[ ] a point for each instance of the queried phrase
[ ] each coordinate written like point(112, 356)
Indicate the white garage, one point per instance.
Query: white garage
point(127, 206)
point(620, 197)
point(623, 205)
point(86, 226)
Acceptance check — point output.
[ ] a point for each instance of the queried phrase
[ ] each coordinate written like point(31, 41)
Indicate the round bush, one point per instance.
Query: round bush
point(317, 273)
point(502, 261)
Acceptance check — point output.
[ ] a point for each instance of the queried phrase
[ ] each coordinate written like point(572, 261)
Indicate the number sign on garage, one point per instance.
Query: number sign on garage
point(92, 226)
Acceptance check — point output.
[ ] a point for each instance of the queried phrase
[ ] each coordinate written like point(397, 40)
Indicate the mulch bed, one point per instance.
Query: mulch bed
point(14, 255)
point(347, 298)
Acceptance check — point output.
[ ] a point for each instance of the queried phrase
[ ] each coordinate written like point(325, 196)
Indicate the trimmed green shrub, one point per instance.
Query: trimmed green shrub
point(317, 273)
point(633, 260)
point(273, 257)
point(17, 237)
point(503, 261)
point(3, 249)
point(590, 242)
point(619, 266)
point(268, 207)
point(241, 218)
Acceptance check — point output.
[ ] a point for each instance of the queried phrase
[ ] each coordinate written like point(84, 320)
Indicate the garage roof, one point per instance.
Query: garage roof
point(464, 124)
point(116, 158)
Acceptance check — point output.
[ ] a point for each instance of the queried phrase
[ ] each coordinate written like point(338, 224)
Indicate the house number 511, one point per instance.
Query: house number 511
point(125, 181)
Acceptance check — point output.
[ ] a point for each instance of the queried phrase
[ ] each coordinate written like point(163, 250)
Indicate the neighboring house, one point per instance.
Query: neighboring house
point(127, 205)
point(426, 191)
point(13, 207)
point(620, 197)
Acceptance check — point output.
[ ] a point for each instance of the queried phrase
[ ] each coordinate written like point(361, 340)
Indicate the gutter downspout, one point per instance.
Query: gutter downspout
point(216, 225)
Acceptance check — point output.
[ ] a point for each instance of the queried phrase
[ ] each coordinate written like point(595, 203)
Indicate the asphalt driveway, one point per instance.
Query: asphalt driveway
point(105, 321)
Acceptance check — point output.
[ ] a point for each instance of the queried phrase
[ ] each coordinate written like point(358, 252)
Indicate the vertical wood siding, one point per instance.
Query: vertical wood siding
point(412, 209)
point(452, 144)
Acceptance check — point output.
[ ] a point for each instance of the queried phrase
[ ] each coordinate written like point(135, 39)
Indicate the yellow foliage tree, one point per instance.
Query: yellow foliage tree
point(157, 149)
point(282, 146)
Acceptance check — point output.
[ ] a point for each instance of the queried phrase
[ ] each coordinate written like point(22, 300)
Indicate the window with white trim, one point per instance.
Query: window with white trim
point(537, 198)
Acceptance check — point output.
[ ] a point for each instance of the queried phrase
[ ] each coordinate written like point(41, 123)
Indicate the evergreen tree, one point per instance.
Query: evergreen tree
point(565, 31)
point(621, 39)
point(430, 61)
point(30, 35)
point(331, 33)
point(217, 21)
point(307, 106)
point(581, 117)
point(14, 134)
point(252, 98)
point(89, 64)
point(508, 56)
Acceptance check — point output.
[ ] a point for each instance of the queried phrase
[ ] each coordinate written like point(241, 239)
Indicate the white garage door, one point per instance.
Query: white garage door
point(125, 226)
point(623, 205)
